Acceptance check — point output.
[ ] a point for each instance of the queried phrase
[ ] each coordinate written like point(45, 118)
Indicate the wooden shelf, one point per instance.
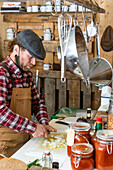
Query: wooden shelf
point(89, 5)
point(85, 3)
point(38, 17)
point(50, 46)
point(54, 74)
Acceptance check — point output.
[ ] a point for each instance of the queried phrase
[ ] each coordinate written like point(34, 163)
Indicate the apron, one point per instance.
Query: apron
point(11, 141)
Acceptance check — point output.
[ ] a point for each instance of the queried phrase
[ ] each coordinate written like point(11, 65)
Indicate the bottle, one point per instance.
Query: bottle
point(81, 119)
point(110, 114)
point(88, 113)
point(98, 123)
point(55, 165)
point(47, 157)
point(98, 127)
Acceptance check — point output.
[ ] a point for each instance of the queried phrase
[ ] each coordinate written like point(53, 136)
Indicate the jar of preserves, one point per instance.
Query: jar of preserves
point(103, 146)
point(82, 132)
point(81, 135)
point(82, 156)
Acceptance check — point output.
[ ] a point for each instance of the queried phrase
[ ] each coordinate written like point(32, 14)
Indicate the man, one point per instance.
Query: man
point(17, 87)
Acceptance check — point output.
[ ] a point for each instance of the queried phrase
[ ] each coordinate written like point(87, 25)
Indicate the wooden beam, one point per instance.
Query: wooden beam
point(50, 46)
point(88, 4)
point(54, 74)
point(38, 17)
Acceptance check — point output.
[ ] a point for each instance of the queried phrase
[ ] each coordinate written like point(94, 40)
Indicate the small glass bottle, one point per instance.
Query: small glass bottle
point(98, 123)
point(47, 158)
point(88, 113)
point(110, 114)
point(98, 127)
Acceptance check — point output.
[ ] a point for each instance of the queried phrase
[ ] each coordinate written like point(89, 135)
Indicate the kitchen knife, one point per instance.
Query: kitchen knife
point(63, 123)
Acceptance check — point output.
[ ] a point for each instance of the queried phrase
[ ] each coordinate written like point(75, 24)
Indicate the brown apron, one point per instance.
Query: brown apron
point(11, 141)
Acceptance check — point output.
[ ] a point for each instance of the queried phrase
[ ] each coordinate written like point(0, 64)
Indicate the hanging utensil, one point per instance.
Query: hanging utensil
point(64, 27)
point(77, 55)
point(100, 69)
point(91, 29)
point(85, 25)
point(59, 52)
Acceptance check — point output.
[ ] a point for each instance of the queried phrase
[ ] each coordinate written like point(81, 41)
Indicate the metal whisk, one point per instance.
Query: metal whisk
point(64, 27)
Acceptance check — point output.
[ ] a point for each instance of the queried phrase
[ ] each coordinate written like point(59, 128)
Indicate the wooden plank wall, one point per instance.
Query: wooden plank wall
point(73, 93)
point(105, 20)
point(30, 21)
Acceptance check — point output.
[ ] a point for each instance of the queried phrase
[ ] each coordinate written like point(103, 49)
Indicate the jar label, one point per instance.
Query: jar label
point(70, 137)
point(110, 121)
point(88, 114)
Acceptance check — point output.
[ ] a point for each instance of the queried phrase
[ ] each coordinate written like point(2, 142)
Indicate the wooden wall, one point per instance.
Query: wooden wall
point(38, 24)
point(33, 21)
point(105, 20)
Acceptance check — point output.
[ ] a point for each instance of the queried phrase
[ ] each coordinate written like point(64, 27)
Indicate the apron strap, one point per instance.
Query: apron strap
point(7, 68)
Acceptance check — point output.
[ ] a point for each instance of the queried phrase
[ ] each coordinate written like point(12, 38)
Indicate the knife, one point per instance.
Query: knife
point(63, 123)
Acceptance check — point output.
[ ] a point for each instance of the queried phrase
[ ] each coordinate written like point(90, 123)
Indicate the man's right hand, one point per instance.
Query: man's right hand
point(43, 131)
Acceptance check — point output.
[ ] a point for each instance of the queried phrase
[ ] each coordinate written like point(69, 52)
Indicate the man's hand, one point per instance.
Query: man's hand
point(43, 131)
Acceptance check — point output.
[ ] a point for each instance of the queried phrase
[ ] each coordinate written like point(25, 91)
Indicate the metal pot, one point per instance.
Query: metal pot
point(77, 55)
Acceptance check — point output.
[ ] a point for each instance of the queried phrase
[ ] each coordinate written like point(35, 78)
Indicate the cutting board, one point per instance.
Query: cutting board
point(36, 148)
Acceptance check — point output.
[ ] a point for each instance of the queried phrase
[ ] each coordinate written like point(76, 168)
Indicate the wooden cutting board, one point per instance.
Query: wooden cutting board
point(36, 148)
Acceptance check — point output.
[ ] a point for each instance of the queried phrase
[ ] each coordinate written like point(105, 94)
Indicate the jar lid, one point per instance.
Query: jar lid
point(105, 134)
point(82, 148)
point(88, 108)
point(81, 126)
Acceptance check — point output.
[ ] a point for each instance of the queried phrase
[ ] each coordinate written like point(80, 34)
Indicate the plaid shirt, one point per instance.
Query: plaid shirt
point(7, 117)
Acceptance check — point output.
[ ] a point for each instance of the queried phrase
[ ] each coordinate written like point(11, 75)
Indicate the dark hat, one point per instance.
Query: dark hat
point(107, 39)
point(32, 43)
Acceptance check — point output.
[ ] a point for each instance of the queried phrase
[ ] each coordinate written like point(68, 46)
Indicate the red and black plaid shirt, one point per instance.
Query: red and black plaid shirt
point(7, 117)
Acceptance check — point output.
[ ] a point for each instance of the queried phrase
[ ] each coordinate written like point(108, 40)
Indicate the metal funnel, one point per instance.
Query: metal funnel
point(100, 69)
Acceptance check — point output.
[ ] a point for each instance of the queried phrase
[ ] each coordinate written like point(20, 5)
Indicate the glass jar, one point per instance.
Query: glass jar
point(103, 146)
point(47, 159)
point(82, 157)
point(82, 134)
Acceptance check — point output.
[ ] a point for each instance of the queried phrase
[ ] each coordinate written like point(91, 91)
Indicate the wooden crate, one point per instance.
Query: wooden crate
point(73, 93)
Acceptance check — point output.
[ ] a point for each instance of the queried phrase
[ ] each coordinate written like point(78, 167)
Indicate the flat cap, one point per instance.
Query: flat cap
point(107, 39)
point(32, 43)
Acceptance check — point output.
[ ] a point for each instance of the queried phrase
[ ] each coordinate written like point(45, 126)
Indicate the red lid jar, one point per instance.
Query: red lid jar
point(82, 134)
point(82, 156)
point(103, 146)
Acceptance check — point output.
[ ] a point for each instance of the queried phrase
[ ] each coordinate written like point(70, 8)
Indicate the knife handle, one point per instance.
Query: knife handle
point(63, 123)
